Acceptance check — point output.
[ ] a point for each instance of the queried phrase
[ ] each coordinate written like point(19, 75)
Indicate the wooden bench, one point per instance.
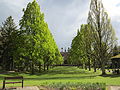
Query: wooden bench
point(12, 78)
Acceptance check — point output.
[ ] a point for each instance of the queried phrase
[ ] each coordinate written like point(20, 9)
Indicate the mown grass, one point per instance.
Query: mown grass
point(63, 74)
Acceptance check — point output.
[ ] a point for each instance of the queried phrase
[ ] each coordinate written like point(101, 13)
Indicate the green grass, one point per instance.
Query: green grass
point(64, 74)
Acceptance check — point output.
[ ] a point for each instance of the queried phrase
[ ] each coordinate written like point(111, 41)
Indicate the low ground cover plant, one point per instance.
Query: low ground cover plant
point(77, 86)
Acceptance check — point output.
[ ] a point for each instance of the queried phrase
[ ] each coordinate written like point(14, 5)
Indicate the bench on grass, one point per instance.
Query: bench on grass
point(6, 80)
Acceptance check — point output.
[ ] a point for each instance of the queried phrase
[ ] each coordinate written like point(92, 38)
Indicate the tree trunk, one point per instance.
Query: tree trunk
point(82, 66)
point(47, 67)
point(44, 67)
point(89, 66)
point(95, 69)
point(32, 68)
point(94, 65)
point(103, 69)
point(4, 64)
point(85, 67)
point(39, 67)
point(18, 68)
point(13, 65)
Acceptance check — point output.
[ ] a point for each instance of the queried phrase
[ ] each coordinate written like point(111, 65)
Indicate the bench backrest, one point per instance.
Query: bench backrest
point(8, 78)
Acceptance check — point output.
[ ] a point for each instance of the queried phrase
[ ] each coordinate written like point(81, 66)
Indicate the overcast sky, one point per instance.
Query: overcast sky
point(64, 17)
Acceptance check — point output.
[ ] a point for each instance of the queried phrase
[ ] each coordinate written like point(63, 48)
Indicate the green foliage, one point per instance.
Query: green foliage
point(94, 43)
point(30, 48)
point(76, 51)
point(9, 34)
point(40, 47)
point(80, 52)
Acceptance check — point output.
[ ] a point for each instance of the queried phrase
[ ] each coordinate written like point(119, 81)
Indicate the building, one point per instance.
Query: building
point(64, 53)
point(116, 61)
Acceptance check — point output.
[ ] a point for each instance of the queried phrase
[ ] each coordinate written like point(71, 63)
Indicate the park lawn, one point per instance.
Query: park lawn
point(63, 74)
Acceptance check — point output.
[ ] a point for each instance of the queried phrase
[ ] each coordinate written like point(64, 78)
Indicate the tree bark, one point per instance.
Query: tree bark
point(89, 66)
point(94, 65)
point(47, 67)
point(103, 69)
point(39, 67)
point(85, 67)
point(82, 66)
point(44, 67)
point(18, 68)
point(32, 68)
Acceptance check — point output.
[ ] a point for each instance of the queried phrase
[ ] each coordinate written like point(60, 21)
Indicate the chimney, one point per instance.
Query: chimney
point(65, 49)
point(61, 49)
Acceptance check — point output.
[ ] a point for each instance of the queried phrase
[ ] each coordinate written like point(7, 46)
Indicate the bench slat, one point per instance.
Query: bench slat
point(12, 82)
point(6, 78)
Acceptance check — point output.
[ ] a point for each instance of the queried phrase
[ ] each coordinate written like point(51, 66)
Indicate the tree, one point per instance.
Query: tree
point(103, 33)
point(81, 48)
point(87, 39)
point(8, 34)
point(77, 51)
point(40, 47)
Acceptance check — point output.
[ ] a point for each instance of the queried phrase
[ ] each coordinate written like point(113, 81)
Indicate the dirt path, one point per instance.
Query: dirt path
point(113, 87)
point(24, 88)
point(43, 88)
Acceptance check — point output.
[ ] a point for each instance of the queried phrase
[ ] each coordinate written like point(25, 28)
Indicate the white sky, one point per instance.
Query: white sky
point(64, 17)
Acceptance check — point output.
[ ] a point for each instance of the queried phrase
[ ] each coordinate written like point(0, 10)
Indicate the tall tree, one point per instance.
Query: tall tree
point(40, 47)
point(77, 51)
point(81, 48)
point(103, 33)
point(87, 39)
point(8, 34)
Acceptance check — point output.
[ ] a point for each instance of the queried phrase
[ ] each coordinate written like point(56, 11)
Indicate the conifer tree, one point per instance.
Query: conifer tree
point(8, 32)
point(80, 52)
point(40, 47)
point(77, 52)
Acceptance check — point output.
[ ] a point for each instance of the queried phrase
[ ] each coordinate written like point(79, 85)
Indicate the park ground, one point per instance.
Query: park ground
point(63, 74)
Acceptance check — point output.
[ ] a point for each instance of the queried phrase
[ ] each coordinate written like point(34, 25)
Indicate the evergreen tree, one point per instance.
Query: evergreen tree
point(8, 35)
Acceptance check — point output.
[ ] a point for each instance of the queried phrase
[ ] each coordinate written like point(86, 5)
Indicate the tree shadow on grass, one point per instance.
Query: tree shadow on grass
point(55, 78)
point(111, 75)
point(64, 72)
point(53, 72)
point(8, 74)
point(58, 70)
point(1, 77)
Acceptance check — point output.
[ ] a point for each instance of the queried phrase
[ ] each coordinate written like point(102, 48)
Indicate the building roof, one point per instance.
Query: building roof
point(117, 56)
